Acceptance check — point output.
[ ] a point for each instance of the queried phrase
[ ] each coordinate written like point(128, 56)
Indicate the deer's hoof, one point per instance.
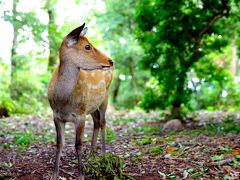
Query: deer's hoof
point(55, 176)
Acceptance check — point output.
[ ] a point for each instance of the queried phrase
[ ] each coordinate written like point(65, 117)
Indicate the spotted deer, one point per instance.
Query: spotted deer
point(79, 86)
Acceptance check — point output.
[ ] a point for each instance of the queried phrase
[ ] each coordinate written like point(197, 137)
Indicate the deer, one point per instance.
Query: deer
point(79, 86)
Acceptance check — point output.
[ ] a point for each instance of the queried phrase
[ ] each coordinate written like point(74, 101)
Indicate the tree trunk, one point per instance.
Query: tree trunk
point(52, 54)
point(131, 71)
point(219, 96)
point(178, 99)
point(117, 82)
point(133, 80)
point(176, 107)
point(13, 49)
point(176, 112)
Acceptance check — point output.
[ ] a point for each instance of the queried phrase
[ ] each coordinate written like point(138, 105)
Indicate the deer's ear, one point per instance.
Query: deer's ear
point(84, 31)
point(73, 36)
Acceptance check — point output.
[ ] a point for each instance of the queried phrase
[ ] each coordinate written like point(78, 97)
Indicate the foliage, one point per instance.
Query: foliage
point(23, 94)
point(154, 96)
point(25, 22)
point(175, 39)
point(147, 130)
point(158, 150)
point(28, 94)
point(21, 133)
point(108, 166)
point(228, 126)
point(118, 34)
point(111, 136)
point(5, 100)
point(54, 35)
point(123, 120)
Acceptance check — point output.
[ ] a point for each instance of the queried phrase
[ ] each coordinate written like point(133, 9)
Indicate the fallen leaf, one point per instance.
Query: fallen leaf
point(171, 149)
point(236, 151)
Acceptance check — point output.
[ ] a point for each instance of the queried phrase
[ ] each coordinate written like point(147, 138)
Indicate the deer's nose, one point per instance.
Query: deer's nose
point(111, 62)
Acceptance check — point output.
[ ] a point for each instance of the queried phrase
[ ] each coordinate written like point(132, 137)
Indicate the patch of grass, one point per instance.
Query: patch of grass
point(167, 139)
point(123, 120)
point(6, 165)
point(147, 130)
point(228, 126)
point(111, 136)
point(172, 133)
point(142, 141)
point(24, 138)
point(196, 173)
point(217, 157)
point(105, 167)
point(19, 139)
point(158, 150)
point(236, 162)
point(225, 150)
point(192, 133)
point(237, 157)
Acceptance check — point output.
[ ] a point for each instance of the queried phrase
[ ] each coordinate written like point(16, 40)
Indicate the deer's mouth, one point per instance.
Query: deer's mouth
point(101, 67)
point(105, 67)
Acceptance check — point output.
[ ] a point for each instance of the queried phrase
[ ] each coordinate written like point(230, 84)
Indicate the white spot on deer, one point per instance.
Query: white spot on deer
point(96, 86)
point(109, 74)
point(93, 74)
point(81, 82)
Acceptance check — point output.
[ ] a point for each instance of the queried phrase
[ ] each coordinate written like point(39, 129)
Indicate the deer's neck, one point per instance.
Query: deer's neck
point(67, 79)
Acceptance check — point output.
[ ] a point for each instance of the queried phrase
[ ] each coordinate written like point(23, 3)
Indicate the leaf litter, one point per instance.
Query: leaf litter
point(207, 148)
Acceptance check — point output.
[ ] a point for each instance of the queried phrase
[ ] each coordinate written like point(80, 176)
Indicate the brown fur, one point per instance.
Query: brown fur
point(74, 92)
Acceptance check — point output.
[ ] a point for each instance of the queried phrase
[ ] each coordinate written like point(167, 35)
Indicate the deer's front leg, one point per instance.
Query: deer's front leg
point(96, 126)
point(79, 125)
point(60, 141)
point(103, 133)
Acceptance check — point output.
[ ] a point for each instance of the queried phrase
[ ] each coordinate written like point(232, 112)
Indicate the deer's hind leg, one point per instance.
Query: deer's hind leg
point(79, 127)
point(99, 122)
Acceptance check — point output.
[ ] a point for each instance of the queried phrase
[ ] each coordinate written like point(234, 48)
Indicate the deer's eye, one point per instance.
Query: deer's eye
point(87, 47)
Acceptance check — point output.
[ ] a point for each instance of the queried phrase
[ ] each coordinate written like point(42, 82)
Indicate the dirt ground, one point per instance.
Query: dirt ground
point(148, 153)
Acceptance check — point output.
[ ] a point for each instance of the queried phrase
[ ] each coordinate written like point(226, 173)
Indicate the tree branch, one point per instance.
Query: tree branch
point(224, 11)
point(214, 18)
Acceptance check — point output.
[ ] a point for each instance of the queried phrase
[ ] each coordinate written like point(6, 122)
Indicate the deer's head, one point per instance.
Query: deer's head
point(77, 51)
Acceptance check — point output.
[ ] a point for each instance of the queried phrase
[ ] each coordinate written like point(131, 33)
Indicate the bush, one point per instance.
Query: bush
point(26, 95)
point(153, 96)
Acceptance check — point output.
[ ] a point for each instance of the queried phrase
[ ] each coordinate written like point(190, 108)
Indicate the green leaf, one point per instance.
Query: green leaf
point(217, 157)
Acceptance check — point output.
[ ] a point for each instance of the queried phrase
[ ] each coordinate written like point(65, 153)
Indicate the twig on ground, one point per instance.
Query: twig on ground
point(220, 163)
point(36, 171)
point(65, 172)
